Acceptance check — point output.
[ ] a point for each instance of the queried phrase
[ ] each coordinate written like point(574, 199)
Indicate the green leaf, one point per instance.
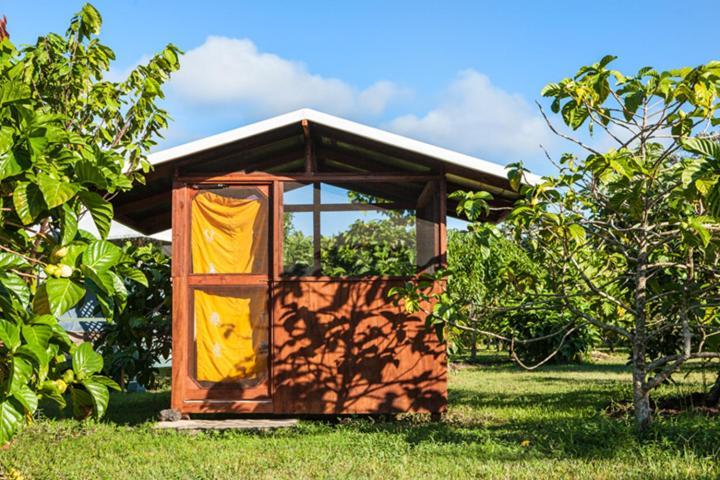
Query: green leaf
point(10, 421)
point(703, 146)
point(100, 210)
point(12, 91)
point(577, 232)
point(83, 404)
point(34, 352)
point(62, 294)
point(101, 255)
point(27, 398)
point(14, 162)
point(9, 334)
point(69, 225)
point(55, 191)
point(103, 280)
point(136, 275)
point(11, 282)
point(28, 201)
point(10, 260)
point(108, 382)
point(37, 334)
point(99, 394)
point(91, 18)
point(87, 172)
point(22, 370)
point(86, 361)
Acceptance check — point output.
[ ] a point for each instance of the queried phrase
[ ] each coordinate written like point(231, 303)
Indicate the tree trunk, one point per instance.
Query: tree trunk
point(641, 401)
point(713, 399)
point(473, 347)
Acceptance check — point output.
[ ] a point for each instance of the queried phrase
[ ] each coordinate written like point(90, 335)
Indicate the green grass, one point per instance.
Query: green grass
point(502, 423)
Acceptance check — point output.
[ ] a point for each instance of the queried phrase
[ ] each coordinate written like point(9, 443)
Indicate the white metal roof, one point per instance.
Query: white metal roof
point(338, 123)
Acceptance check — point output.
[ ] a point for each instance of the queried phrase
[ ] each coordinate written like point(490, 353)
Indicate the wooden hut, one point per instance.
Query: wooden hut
point(287, 236)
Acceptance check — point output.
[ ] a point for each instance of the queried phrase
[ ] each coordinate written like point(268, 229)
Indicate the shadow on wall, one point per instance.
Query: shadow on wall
point(343, 347)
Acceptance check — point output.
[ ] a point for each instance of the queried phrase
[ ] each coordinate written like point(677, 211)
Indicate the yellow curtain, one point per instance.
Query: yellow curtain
point(229, 235)
point(231, 336)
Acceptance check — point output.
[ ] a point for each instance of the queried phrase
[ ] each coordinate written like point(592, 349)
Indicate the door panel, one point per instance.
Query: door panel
point(228, 295)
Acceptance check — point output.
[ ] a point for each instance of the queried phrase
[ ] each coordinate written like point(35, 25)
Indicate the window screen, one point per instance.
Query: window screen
point(356, 229)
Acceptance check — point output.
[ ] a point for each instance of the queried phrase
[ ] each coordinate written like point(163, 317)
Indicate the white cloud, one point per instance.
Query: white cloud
point(232, 72)
point(476, 116)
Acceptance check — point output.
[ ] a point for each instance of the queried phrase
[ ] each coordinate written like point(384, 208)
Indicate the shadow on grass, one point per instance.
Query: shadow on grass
point(124, 408)
point(569, 424)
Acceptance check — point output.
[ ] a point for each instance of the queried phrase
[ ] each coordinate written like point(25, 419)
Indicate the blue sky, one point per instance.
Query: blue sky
point(463, 75)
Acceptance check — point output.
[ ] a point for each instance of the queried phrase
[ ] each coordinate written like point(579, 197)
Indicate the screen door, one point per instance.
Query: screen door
point(229, 297)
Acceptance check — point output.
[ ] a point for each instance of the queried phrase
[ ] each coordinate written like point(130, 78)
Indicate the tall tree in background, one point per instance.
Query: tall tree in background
point(68, 141)
point(635, 228)
point(630, 236)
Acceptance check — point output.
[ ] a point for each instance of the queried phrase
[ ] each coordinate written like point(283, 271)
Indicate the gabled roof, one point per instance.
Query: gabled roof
point(278, 143)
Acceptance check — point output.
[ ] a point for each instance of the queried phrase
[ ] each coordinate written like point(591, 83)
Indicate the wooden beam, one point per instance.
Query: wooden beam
point(219, 177)
point(309, 150)
point(317, 267)
point(349, 207)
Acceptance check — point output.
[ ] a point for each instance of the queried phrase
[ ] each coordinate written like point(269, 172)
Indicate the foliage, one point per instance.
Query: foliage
point(384, 246)
point(501, 423)
point(140, 335)
point(297, 248)
point(67, 142)
point(379, 246)
point(629, 237)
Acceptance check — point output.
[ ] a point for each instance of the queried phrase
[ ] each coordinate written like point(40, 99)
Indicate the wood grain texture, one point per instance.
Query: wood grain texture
point(343, 347)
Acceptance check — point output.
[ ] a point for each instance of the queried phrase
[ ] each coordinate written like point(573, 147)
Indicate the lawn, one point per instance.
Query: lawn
point(502, 423)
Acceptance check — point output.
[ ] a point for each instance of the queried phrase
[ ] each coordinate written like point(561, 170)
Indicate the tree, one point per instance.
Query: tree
point(636, 226)
point(140, 335)
point(629, 236)
point(68, 141)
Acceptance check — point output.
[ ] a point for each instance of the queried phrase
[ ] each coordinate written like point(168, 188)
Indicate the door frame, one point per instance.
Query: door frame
point(188, 395)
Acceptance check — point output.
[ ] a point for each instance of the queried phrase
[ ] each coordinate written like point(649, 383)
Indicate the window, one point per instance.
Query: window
point(230, 230)
point(359, 229)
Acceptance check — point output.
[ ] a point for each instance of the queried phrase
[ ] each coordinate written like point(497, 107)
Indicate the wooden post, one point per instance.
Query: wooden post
point(180, 269)
point(317, 267)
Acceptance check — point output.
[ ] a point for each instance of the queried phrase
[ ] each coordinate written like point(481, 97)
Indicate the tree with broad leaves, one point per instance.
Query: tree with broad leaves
point(69, 140)
point(631, 235)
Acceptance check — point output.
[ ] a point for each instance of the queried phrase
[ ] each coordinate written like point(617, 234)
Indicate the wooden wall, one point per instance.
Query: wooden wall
point(341, 346)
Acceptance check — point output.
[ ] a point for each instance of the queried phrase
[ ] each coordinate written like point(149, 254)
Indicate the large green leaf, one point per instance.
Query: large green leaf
point(13, 283)
point(88, 172)
point(103, 279)
point(69, 225)
point(37, 334)
point(56, 191)
point(101, 255)
point(36, 353)
point(13, 91)
point(28, 201)
point(9, 334)
point(10, 420)
point(100, 396)
point(135, 275)
point(703, 146)
point(57, 296)
point(100, 210)
point(83, 404)
point(22, 370)
point(10, 260)
point(27, 398)
point(86, 361)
